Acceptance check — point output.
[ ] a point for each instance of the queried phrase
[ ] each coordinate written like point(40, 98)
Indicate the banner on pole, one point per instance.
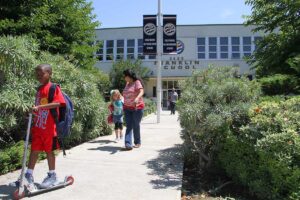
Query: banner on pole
point(149, 34)
point(169, 34)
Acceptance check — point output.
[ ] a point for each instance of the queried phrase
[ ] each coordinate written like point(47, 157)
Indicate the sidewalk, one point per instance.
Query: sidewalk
point(103, 171)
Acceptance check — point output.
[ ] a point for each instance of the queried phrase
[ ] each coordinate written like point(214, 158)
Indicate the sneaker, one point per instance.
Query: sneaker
point(49, 181)
point(28, 181)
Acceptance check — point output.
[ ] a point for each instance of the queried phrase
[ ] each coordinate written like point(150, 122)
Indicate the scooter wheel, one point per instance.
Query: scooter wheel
point(16, 195)
point(70, 179)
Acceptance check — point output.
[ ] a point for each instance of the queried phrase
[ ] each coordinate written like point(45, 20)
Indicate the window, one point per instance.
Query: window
point(170, 84)
point(247, 46)
point(212, 47)
point(152, 56)
point(201, 48)
point(130, 49)
point(235, 48)
point(140, 49)
point(154, 92)
point(164, 84)
point(224, 47)
point(120, 49)
point(109, 50)
point(99, 52)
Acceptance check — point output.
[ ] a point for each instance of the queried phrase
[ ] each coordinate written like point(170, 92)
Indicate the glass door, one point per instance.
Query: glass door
point(167, 86)
point(165, 97)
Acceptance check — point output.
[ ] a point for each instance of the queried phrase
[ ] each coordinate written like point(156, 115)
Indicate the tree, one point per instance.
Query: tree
point(61, 26)
point(279, 50)
point(116, 74)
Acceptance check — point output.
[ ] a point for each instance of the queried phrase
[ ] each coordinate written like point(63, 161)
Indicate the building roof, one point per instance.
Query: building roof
point(177, 25)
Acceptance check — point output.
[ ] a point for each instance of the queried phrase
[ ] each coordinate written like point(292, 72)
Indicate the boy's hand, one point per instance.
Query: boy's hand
point(34, 109)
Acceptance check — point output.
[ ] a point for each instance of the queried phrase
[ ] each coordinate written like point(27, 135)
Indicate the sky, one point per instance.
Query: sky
point(128, 13)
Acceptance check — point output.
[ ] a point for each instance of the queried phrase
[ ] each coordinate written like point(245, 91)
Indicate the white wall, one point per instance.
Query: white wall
point(188, 34)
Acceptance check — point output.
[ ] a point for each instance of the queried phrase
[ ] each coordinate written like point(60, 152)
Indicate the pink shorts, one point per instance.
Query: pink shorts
point(44, 142)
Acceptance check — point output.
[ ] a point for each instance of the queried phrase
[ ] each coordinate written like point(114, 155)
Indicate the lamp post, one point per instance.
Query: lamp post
point(159, 58)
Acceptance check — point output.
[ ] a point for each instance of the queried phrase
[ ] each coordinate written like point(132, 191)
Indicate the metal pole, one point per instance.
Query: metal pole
point(21, 185)
point(159, 58)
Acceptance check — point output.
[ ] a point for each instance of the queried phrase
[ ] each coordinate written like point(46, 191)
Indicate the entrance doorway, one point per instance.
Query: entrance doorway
point(167, 86)
point(165, 98)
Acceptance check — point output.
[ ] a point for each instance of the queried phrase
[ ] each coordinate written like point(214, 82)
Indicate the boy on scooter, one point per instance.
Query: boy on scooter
point(44, 135)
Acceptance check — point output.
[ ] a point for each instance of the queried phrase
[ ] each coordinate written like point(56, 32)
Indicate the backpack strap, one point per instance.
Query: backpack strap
point(51, 92)
point(50, 99)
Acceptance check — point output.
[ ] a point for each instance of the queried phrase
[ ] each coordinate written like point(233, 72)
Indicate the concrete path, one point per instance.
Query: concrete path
point(103, 171)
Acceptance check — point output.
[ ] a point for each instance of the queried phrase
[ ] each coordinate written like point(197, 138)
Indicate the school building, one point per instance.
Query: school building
point(198, 46)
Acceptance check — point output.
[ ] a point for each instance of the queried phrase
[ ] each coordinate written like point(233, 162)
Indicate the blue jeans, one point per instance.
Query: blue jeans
point(133, 119)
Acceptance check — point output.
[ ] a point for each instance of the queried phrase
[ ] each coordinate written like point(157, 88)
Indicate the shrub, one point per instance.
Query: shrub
point(266, 154)
point(150, 106)
point(280, 84)
point(17, 58)
point(213, 104)
point(11, 158)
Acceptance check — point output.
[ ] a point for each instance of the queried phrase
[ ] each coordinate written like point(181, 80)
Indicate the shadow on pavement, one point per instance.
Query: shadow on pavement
point(168, 166)
point(6, 192)
point(111, 149)
point(102, 141)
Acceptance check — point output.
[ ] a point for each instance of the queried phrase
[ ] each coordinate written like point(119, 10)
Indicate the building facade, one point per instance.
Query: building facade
point(198, 46)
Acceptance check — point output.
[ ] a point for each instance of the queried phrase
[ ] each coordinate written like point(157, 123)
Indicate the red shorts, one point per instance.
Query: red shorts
point(44, 142)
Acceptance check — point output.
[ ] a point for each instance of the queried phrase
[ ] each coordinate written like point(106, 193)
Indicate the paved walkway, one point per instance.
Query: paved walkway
point(103, 171)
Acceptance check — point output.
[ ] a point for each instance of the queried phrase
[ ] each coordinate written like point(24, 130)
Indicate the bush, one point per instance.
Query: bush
point(266, 154)
point(150, 106)
point(213, 104)
point(280, 84)
point(11, 158)
point(17, 86)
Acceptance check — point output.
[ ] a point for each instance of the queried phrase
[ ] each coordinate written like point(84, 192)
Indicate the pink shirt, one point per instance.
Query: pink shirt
point(130, 92)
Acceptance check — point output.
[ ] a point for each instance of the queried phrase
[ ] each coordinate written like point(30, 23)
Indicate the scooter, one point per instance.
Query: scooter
point(22, 189)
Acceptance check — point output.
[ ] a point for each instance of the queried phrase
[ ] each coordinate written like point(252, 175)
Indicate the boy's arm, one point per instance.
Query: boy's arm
point(46, 106)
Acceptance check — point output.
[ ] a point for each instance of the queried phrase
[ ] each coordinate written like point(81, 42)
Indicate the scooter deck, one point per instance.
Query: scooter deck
point(43, 190)
point(27, 193)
